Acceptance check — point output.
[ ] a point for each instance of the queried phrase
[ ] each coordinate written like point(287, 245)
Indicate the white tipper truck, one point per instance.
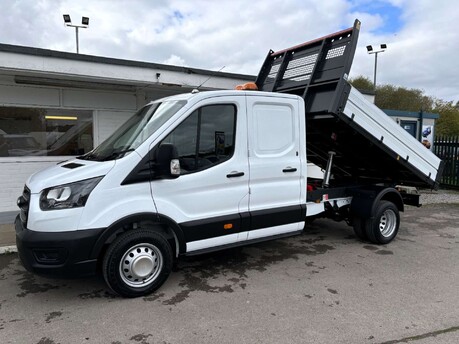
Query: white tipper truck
point(206, 171)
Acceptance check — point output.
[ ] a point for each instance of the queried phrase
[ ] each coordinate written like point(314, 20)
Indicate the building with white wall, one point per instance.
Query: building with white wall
point(57, 105)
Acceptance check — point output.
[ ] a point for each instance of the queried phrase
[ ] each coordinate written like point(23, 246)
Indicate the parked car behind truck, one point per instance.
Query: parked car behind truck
point(205, 171)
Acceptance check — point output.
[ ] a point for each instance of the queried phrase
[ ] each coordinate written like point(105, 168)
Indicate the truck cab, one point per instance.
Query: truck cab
point(208, 170)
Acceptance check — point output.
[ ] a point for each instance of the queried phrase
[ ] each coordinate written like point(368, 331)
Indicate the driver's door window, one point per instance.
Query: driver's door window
point(205, 138)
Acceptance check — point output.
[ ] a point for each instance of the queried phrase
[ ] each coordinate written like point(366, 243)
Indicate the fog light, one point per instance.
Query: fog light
point(50, 256)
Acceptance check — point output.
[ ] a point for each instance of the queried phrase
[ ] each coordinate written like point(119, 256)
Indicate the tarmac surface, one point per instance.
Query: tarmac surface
point(323, 286)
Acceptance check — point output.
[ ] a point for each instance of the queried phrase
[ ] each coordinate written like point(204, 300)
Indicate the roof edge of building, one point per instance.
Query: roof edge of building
point(414, 114)
point(19, 49)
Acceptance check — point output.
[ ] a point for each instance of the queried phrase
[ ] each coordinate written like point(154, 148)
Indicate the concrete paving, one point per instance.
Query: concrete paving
point(323, 286)
point(7, 235)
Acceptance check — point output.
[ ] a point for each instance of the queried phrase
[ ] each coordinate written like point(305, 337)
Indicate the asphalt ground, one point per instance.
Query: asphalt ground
point(323, 286)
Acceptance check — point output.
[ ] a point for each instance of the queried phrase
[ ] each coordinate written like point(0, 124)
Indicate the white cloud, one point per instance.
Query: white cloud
point(174, 60)
point(237, 34)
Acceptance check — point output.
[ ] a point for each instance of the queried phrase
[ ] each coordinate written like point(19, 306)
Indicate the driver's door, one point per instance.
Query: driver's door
point(213, 188)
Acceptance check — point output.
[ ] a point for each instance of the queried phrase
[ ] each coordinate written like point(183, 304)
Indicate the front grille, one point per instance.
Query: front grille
point(23, 203)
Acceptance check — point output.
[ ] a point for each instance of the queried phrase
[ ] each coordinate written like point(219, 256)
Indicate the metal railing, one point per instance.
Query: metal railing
point(447, 149)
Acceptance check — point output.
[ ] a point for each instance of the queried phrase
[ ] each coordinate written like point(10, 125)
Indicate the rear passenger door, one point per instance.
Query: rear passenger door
point(275, 166)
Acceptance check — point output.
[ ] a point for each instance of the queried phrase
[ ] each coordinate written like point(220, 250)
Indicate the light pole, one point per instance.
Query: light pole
point(84, 25)
point(370, 50)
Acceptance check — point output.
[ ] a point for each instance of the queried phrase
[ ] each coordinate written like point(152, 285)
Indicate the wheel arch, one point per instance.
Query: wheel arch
point(364, 201)
point(154, 221)
point(391, 195)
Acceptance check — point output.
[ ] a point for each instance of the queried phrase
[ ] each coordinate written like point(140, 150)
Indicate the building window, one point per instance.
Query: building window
point(44, 132)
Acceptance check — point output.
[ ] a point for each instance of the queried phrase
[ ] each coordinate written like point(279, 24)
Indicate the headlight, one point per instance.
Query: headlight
point(69, 195)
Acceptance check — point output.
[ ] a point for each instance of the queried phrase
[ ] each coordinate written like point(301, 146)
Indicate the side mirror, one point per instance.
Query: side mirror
point(167, 162)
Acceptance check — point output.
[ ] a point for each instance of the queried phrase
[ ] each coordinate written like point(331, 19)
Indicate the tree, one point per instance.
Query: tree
point(405, 99)
point(448, 123)
point(401, 98)
point(362, 83)
point(395, 97)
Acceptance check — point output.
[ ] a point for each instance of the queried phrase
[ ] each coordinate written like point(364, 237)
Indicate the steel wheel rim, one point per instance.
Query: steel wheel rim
point(388, 223)
point(141, 265)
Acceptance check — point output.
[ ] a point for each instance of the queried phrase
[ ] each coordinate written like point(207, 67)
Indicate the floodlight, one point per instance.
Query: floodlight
point(370, 50)
point(84, 21)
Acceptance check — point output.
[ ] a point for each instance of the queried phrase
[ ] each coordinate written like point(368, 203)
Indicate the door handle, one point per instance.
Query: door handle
point(235, 174)
point(289, 169)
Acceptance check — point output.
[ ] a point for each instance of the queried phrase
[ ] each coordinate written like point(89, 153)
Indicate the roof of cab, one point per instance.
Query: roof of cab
point(200, 95)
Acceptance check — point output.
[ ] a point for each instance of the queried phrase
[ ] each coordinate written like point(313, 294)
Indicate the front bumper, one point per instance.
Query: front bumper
point(61, 254)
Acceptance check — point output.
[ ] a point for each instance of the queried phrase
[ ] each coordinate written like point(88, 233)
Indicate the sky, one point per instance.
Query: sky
point(422, 36)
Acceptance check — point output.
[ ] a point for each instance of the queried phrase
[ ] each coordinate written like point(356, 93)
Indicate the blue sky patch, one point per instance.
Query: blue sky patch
point(391, 15)
point(174, 19)
point(178, 15)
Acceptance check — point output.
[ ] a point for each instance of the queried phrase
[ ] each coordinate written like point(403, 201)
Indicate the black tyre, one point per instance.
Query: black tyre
point(359, 228)
point(384, 226)
point(137, 263)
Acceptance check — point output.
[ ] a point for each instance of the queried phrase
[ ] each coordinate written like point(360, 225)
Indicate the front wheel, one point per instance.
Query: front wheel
point(383, 228)
point(137, 263)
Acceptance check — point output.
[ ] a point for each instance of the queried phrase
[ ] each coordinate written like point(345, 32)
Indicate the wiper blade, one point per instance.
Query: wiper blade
point(117, 154)
point(87, 156)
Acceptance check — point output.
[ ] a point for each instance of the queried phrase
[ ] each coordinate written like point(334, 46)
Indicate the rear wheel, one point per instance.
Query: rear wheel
point(383, 228)
point(137, 263)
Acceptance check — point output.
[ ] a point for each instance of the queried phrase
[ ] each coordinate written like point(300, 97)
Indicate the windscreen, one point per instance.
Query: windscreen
point(135, 131)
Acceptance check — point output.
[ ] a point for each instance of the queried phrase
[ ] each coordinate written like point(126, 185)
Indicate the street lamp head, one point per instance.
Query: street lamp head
point(370, 50)
point(67, 19)
point(84, 25)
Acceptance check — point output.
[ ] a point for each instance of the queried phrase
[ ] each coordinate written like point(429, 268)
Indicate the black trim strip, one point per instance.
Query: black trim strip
point(214, 227)
point(303, 211)
point(211, 227)
point(245, 221)
point(242, 243)
point(275, 217)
